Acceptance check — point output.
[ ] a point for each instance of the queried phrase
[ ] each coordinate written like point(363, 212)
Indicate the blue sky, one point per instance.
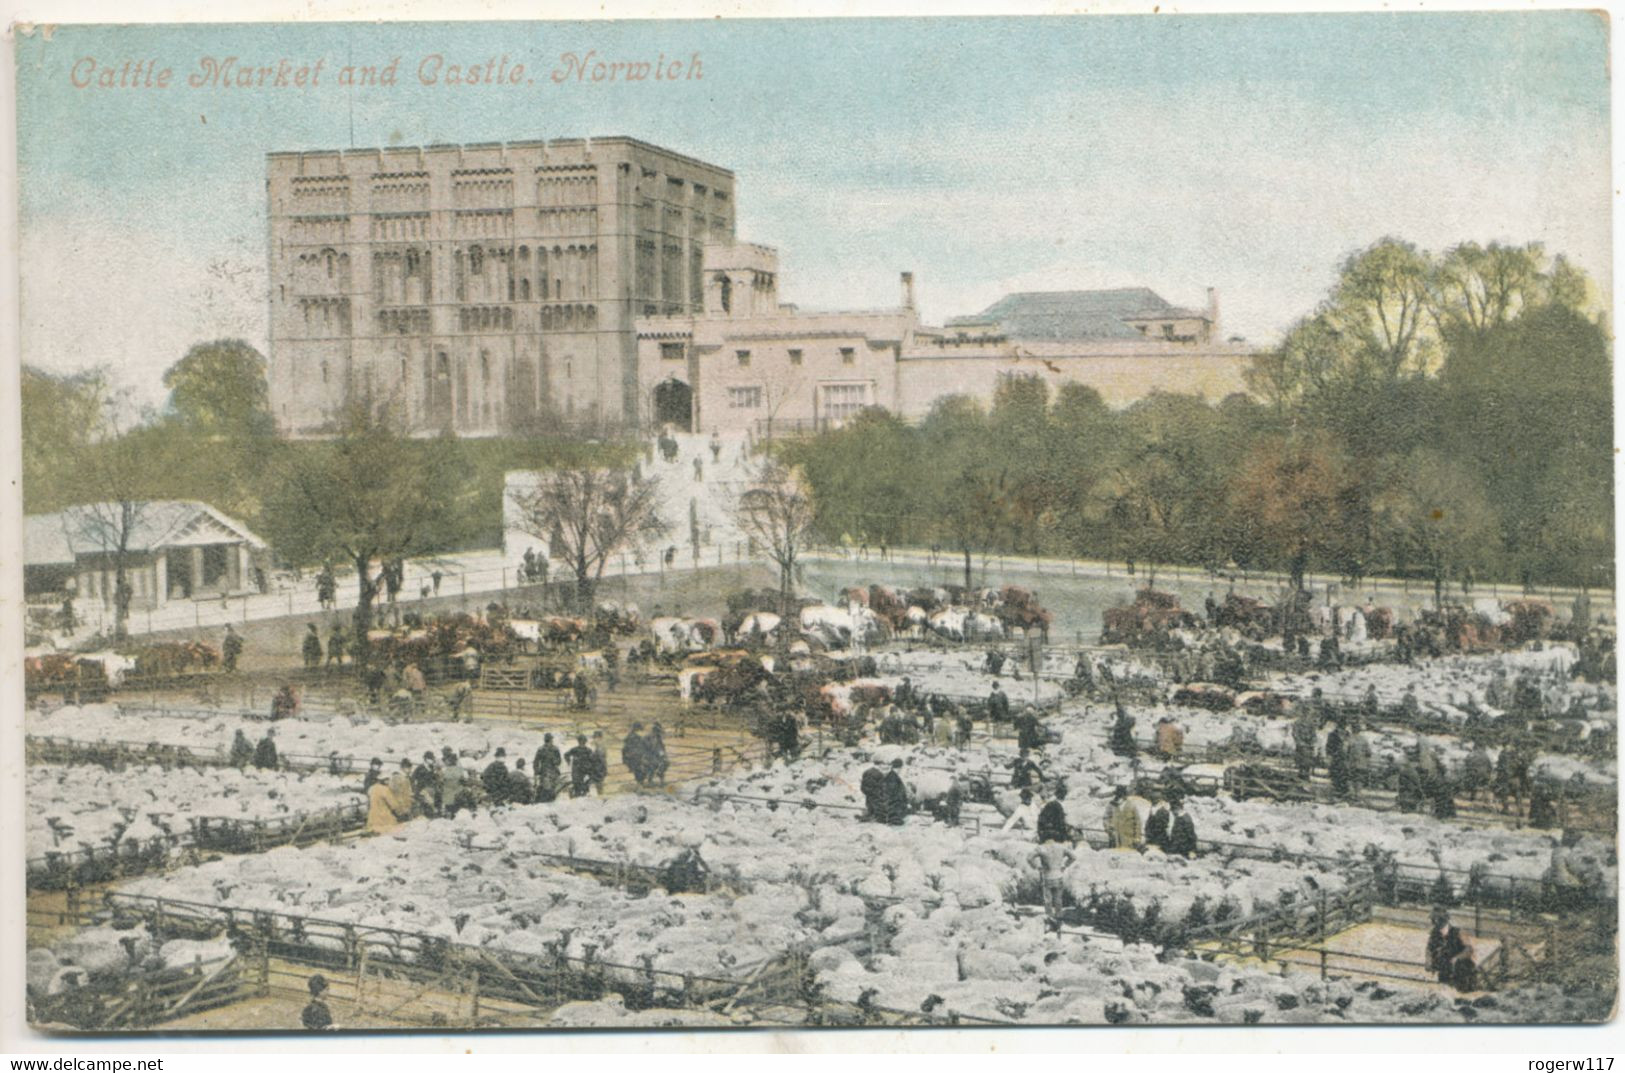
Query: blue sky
point(1248, 153)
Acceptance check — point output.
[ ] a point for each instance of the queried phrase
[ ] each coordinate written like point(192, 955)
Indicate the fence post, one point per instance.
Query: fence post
point(1323, 961)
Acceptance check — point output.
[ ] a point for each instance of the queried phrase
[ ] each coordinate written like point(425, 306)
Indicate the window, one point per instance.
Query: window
point(485, 366)
point(1167, 331)
point(744, 398)
point(849, 355)
point(411, 263)
point(727, 293)
point(843, 400)
point(476, 261)
point(743, 356)
point(671, 351)
point(795, 357)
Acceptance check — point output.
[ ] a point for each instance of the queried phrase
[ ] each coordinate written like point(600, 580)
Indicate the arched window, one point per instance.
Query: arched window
point(411, 263)
point(524, 290)
point(727, 294)
point(476, 260)
point(485, 366)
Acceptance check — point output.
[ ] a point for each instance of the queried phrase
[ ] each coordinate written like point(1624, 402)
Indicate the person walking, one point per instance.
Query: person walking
point(311, 647)
point(337, 642)
point(231, 648)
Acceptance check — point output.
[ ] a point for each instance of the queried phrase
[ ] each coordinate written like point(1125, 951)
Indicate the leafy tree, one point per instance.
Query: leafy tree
point(1476, 288)
point(1435, 514)
point(60, 416)
point(589, 513)
point(219, 389)
point(1288, 500)
point(1381, 303)
point(367, 494)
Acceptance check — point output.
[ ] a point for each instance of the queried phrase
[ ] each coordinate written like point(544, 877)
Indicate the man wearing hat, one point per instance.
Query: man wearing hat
point(426, 786)
point(1449, 955)
point(895, 795)
point(316, 1017)
point(375, 773)
point(582, 765)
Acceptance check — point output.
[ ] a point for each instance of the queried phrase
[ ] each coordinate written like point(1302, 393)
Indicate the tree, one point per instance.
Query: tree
point(1288, 500)
point(1382, 301)
point(370, 494)
point(220, 389)
point(588, 513)
point(959, 484)
point(112, 473)
point(60, 415)
point(1435, 514)
point(1476, 288)
point(777, 512)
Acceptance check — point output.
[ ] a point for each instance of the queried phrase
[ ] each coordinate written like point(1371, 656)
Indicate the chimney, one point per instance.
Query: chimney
point(1213, 313)
point(908, 290)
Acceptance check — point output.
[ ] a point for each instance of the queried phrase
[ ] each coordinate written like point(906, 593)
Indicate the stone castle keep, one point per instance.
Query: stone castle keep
point(597, 284)
point(487, 289)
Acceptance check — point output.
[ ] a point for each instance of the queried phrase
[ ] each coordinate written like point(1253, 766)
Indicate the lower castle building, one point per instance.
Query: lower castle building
point(748, 363)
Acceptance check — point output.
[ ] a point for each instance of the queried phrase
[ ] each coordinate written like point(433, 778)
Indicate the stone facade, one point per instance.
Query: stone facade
point(484, 289)
point(747, 363)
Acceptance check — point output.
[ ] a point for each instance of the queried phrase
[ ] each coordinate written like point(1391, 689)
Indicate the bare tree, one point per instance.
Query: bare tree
point(776, 511)
point(113, 473)
point(588, 514)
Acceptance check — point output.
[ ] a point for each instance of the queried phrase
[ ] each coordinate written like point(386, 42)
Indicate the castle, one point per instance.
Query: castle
point(596, 284)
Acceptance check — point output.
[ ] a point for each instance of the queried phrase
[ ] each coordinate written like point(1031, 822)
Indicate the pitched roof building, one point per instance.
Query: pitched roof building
point(174, 548)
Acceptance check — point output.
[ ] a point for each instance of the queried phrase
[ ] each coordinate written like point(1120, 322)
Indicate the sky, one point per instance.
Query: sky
point(1250, 153)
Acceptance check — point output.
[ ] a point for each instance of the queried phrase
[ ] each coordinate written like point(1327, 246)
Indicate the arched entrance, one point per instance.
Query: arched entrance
point(674, 405)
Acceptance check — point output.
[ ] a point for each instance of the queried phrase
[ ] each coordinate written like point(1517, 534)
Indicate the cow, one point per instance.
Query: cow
point(757, 628)
point(949, 623)
point(983, 627)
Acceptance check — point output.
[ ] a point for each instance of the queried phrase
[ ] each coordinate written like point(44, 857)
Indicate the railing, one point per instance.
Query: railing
point(65, 870)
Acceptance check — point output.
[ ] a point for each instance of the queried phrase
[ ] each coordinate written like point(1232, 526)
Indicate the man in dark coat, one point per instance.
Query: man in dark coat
point(230, 648)
point(426, 785)
point(375, 773)
point(495, 778)
point(1182, 837)
point(1052, 825)
point(1158, 825)
point(1121, 740)
point(872, 786)
point(520, 789)
point(242, 753)
point(546, 766)
point(265, 757)
point(316, 1016)
point(1448, 954)
point(895, 795)
point(633, 754)
point(1337, 759)
point(1029, 732)
point(337, 642)
point(998, 705)
point(581, 764)
point(311, 648)
point(1023, 772)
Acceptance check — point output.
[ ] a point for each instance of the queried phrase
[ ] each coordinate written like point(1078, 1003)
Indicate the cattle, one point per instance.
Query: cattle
point(675, 636)
point(757, 628)
point(949, 623)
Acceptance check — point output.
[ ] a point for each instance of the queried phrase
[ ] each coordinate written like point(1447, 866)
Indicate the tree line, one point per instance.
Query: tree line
point(1446, 417)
